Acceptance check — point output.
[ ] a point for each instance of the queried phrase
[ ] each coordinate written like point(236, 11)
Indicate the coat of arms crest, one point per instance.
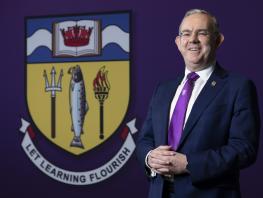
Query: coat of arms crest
point(78, 88)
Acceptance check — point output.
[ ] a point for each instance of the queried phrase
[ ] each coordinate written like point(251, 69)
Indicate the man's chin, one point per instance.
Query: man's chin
point(195, 66)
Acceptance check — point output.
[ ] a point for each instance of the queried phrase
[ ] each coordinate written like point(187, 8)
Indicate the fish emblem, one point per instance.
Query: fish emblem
point(78, 104)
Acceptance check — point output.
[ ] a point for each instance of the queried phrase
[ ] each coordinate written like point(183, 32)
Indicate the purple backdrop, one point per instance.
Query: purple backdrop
point(154, 58)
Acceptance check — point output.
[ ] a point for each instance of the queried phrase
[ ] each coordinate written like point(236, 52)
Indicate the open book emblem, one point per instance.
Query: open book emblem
point(78, 77)
point(76, 38)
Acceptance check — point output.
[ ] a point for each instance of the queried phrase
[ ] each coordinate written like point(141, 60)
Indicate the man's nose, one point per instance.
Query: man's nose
point(194, 38)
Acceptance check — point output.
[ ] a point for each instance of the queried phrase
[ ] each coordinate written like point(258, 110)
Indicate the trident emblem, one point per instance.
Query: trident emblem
point(101, 87)
point(53, 88)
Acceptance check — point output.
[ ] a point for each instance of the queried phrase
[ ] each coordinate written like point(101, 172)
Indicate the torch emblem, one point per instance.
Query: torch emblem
point(101, 87)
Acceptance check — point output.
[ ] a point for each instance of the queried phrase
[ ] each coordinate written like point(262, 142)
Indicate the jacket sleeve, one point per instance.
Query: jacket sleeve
point(145, 142)
point(241, 148)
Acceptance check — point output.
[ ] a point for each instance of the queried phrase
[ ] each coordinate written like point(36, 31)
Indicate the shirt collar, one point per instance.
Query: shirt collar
point(203, 74)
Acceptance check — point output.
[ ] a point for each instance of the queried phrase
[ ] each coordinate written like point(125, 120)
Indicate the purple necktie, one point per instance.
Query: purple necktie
point(177, 121)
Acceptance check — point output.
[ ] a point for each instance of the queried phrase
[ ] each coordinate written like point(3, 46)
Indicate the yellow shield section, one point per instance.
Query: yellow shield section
point(115, 106)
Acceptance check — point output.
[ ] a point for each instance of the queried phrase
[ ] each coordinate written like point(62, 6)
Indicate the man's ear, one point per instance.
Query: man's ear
point(219, 40)
point(178, 42)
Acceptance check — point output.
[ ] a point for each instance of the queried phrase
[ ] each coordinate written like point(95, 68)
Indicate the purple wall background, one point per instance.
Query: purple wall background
point(154, 58)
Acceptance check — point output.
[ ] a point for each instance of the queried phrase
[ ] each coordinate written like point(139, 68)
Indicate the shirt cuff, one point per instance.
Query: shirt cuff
point(152, 172)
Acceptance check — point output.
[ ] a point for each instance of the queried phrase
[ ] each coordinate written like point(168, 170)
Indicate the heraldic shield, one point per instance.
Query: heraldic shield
point(78, 77)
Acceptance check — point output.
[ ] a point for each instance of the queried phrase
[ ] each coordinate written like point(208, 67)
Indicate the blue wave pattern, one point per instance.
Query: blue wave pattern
point(109, 52)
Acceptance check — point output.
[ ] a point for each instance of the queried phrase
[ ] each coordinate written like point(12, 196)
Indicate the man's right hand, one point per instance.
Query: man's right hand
point(159, 159)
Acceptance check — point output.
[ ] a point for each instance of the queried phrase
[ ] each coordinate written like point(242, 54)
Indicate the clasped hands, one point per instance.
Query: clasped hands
point(164, 161)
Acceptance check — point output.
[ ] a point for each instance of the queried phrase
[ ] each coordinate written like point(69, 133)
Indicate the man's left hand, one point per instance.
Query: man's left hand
point(177, 165)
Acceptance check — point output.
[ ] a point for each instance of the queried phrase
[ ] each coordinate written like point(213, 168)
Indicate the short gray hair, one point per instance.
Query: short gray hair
point(199, 11)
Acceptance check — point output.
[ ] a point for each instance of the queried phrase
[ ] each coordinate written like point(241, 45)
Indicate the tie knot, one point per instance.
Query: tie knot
point(192, 76)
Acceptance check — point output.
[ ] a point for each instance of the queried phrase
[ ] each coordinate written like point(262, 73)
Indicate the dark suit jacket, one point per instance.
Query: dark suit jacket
point(220, 136)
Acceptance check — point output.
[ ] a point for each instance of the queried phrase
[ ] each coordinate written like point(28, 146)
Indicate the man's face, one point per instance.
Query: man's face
point(197, 41)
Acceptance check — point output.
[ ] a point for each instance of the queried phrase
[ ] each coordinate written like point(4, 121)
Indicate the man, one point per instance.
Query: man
point(202, 128)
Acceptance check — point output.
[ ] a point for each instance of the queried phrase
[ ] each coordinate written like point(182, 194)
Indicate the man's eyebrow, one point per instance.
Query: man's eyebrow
point(198, 30)
point(202, 30)
point(186, 31)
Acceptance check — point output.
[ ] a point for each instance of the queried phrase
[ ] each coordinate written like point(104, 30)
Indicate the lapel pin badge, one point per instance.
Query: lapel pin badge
point(213, 83)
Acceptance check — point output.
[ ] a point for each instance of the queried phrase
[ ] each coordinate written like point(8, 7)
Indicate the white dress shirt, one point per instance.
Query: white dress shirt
point(198, 86)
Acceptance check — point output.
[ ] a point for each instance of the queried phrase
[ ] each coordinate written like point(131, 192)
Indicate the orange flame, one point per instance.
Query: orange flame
point(101, 83)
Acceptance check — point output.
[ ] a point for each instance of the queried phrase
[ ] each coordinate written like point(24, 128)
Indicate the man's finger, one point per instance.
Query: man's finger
point(157, 153)
point(164, 147)
point(158, 161)
point(163, 171)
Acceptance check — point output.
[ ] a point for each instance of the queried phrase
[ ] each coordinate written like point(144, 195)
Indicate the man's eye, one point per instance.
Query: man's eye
point(185, 34)
point(202, 33)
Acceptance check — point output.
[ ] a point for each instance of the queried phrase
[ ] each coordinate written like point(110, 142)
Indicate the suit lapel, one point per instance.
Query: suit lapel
point(210, 90)
point(165, 108)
